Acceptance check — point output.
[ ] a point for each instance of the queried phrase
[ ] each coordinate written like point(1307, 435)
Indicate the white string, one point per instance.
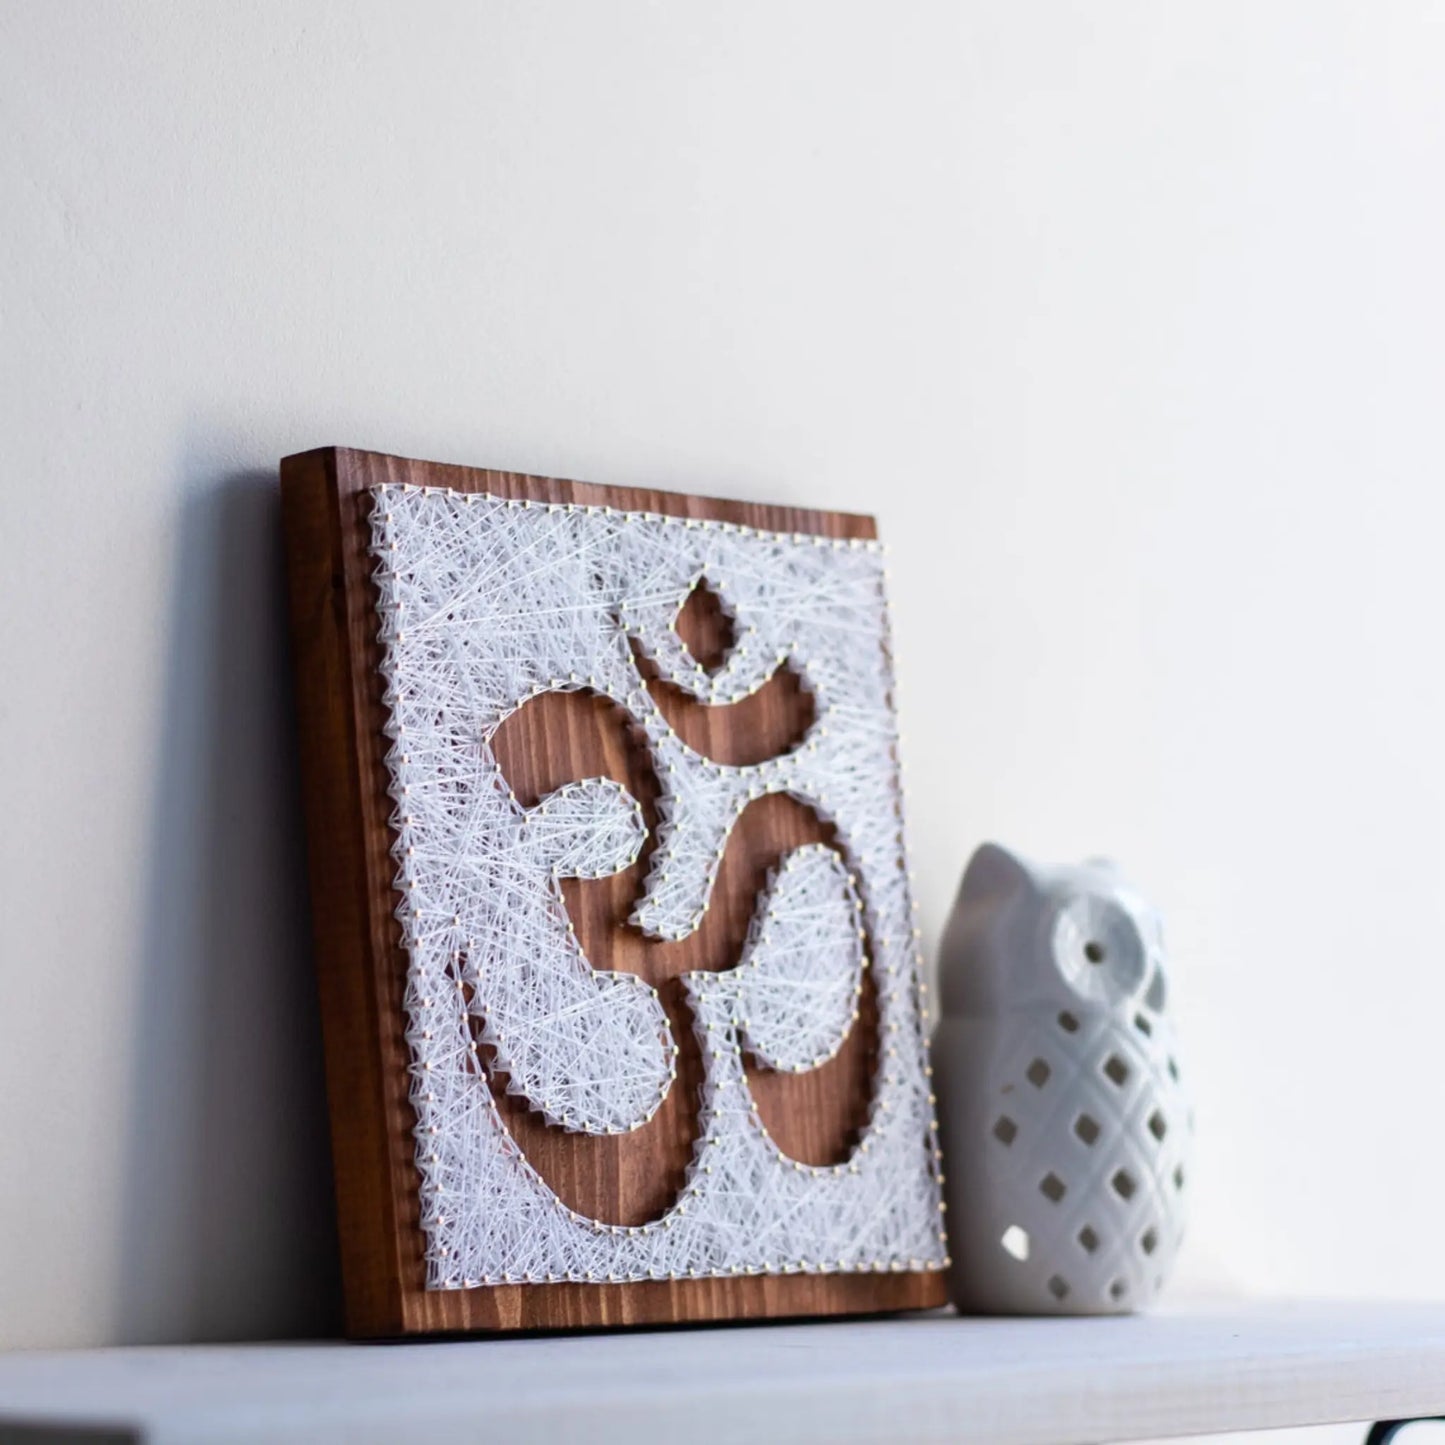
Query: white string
point(802, 966)
point(485, 603)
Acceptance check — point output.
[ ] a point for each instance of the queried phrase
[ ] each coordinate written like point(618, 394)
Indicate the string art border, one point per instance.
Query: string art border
point(484, 603)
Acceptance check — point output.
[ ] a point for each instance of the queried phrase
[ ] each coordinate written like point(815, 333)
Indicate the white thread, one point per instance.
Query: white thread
point(485, 603)
point(589, 829)
point(802, 966)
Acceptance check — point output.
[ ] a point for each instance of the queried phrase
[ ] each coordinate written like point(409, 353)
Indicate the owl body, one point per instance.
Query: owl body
point(1065, 1125)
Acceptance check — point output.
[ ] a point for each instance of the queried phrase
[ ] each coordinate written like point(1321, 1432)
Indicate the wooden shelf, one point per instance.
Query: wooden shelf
point(1204, 1368)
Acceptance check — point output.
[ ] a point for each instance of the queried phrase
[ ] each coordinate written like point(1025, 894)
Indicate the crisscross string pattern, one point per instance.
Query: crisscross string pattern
point(486, 602)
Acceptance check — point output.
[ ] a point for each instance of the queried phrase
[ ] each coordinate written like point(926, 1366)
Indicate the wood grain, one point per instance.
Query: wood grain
point(362, 967)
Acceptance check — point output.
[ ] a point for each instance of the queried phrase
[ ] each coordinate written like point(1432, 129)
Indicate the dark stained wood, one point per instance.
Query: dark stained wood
point(705, 628)
point(362, 967)
point(771, 721)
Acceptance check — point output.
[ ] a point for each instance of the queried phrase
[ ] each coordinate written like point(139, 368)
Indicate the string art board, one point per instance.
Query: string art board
point(619, 974)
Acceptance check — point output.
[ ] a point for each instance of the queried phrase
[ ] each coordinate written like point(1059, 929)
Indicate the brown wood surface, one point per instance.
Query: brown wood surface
point(362, 967)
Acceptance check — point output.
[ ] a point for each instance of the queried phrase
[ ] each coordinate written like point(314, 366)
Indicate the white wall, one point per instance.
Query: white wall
point(1125, 318)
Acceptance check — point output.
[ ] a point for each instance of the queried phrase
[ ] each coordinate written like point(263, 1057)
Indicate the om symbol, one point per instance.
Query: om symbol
point(598, 1067)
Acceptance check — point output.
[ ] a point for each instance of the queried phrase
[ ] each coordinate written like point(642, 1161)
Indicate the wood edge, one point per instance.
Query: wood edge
point(373, 1300)
point(520, 1310)
point(374, 467)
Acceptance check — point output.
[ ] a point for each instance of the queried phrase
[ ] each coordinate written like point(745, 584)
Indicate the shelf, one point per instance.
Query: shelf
point(1206, 1368)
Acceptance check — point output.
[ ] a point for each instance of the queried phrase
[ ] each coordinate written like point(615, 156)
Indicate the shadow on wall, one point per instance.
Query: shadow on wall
point(227, 1219)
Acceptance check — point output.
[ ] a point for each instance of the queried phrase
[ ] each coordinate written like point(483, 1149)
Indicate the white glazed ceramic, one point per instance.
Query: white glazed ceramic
point(1065, 1127)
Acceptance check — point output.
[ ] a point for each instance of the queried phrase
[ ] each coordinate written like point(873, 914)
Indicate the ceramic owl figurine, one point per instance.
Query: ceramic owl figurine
point(1065, 1127)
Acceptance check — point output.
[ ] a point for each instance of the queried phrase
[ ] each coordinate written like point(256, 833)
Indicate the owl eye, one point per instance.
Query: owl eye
point(1098, 949)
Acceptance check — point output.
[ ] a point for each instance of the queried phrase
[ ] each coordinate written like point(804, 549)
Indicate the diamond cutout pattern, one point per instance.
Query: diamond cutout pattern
point(1085, 1172)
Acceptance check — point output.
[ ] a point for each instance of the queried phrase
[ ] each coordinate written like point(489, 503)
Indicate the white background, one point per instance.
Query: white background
point(1125, 319)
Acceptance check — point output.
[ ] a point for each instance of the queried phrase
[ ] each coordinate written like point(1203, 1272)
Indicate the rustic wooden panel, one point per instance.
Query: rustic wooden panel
point(362, 968)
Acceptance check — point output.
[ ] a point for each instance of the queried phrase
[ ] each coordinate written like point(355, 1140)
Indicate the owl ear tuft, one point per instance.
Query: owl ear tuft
point(995, 873)
point(980, 945)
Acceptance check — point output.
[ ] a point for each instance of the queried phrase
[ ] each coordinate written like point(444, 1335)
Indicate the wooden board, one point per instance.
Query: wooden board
point(361, 965)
